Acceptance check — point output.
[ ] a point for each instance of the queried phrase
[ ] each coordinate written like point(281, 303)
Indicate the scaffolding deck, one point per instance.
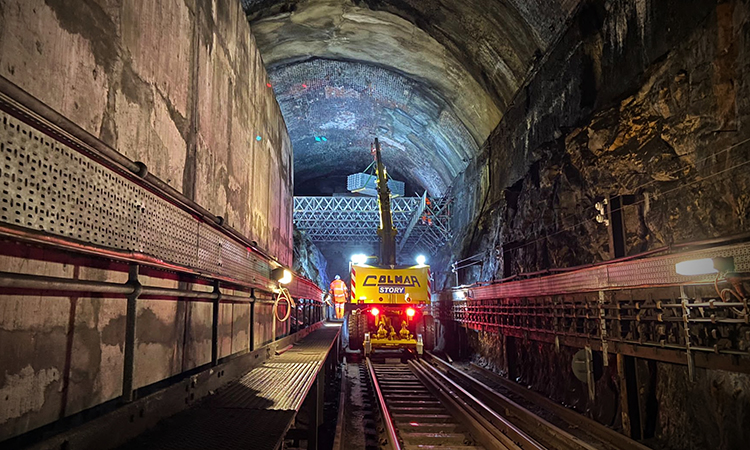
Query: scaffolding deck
point(254, 412)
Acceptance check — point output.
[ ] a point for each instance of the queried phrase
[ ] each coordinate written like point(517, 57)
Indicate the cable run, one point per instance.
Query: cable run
point(283, 295)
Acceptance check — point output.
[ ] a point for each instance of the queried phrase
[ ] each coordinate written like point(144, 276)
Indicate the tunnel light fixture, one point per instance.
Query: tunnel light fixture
point(282, 275)
point(359, 259)
point(705, 266)
point(421, 260)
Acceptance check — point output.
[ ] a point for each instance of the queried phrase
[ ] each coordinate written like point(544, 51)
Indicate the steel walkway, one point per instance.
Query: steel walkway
point(254, 412)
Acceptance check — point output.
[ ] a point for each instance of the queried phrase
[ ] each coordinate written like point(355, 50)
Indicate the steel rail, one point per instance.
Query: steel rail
point(554, 435)
point(495, 430)
point(539, 429)
point(591, 427)
point(384, 413)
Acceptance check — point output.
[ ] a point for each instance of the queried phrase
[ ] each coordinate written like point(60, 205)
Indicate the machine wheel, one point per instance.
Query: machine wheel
point(356, 331)
point(428, 335)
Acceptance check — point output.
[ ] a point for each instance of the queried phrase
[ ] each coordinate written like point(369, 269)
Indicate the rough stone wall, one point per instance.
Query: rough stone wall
point(646, 102)
point(309, 261)
point(180, 86)
point(643, 98)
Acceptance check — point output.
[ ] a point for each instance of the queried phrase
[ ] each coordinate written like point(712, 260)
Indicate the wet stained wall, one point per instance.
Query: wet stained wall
point(180, 86)
point(641, 98)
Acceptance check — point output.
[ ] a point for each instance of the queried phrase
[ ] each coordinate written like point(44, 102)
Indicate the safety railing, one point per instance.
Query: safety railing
point(641, 307)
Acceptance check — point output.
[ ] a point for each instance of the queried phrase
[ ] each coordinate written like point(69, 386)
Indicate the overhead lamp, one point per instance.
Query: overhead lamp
point(282, 275)
point(705, 266)
point(421, 259)
point(359, 258)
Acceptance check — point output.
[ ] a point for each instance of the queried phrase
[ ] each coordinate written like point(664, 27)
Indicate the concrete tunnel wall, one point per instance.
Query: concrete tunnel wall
point(180, 86)
point(640, 98)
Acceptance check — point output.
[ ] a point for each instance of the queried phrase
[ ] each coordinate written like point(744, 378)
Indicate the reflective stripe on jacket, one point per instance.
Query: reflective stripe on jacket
point(339, 289)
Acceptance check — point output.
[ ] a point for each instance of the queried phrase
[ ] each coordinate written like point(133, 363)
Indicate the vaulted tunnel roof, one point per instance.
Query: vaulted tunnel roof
point(429, 78)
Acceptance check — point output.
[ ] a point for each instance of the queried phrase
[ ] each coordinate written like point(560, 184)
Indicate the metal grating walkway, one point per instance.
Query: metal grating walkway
point(253, 412)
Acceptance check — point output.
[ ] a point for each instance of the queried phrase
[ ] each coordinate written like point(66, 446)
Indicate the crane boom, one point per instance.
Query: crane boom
point(387, 231)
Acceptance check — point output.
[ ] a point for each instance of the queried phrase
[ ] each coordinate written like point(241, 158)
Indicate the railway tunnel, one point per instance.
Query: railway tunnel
point(182, 180)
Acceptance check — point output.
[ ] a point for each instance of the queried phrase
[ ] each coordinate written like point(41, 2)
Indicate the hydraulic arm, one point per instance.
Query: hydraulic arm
point(387, 231)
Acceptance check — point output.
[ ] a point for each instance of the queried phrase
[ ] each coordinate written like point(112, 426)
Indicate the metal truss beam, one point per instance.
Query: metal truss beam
point(423, 224)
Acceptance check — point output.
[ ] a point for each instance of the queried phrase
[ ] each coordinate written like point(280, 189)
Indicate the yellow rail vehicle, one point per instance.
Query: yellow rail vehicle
point(391, 303)
point(392, 308)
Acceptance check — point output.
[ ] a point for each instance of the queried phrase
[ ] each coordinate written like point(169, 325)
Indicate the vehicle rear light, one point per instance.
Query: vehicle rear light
point(375, 311)
point(410, 312)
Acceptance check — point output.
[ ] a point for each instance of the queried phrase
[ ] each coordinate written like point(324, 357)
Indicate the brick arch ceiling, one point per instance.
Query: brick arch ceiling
point(430, 78)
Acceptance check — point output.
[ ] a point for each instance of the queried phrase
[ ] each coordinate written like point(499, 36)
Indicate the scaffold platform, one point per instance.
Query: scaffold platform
point(254, 412)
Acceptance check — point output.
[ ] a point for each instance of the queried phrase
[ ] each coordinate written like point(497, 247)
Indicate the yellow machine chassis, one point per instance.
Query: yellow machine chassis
point(393, 343)
point(370, 344)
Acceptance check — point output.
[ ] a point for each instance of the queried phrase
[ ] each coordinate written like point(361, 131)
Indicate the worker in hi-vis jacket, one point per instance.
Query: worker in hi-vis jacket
point(339, 291)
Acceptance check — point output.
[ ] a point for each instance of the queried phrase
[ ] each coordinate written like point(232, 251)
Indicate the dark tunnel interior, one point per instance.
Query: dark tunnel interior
point(182, 180)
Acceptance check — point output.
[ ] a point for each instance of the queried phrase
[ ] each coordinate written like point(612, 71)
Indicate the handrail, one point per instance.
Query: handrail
point(385, 414)
point(32, 282)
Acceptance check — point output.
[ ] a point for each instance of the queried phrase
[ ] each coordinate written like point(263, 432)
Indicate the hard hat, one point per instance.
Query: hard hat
point(337, 277)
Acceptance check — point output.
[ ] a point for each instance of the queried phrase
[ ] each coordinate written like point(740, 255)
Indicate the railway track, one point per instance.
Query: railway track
point(422, 409)
point(433, 405)
point(421, 419)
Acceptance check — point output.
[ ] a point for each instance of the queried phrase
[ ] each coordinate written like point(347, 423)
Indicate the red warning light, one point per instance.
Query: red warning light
point(410, 312)
point(304, 85)
point(268, 84)
point(374, 311)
